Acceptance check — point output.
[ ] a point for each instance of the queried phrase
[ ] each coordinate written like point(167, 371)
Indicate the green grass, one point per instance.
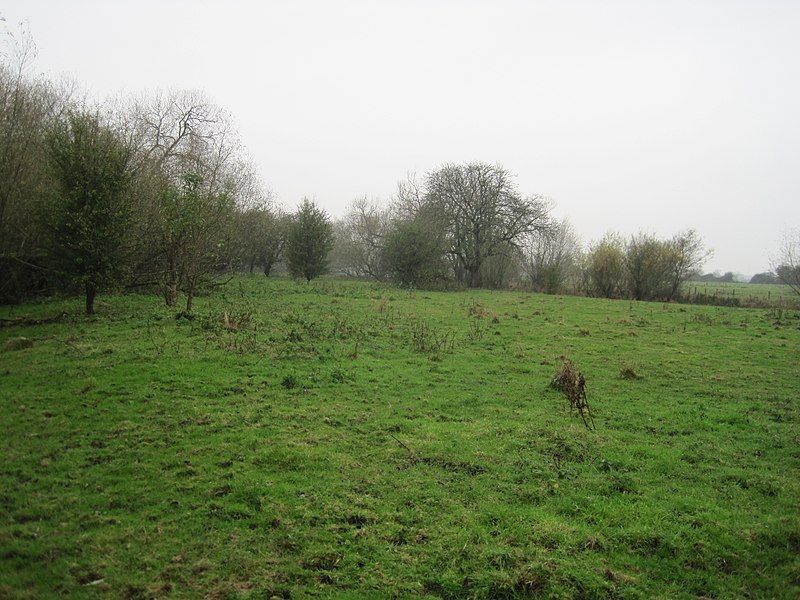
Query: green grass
point(777, 294)
point(352, 440)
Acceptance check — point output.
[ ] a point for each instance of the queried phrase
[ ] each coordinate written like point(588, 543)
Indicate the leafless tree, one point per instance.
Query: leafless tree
point(483, 213)
point(787, 264)
point(360, 238)
point(647, 267)
point(28, 108)
point(193, 175)
point(409, 200)
point(686, 255)
point(551, 257)
point(170, 127)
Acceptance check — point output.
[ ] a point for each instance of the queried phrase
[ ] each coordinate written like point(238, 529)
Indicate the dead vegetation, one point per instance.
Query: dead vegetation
point(454, 466)
point(28, 321)
point(572, 384)
point(233, 321)
point(426, 339)
point(477, 310)
point(628, 371)
point(17, 343)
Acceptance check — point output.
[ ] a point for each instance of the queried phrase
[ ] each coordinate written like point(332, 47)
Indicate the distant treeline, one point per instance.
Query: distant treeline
point(783, 274)
point(456, 227)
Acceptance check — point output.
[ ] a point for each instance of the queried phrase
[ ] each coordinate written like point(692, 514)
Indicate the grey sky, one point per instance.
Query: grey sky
point(629, 115)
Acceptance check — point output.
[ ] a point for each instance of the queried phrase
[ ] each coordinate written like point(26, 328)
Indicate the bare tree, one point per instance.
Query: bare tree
point(170, 127)
point(29, 107)
point(409, 200)
point(483, 213)
point(192, 173)
point(787, 264)
point(686, 255)
point(360, 237)
point(647, 267)
point(551, 257)
point(503, 267)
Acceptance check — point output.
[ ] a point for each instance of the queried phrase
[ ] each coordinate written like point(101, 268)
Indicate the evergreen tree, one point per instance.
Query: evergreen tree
point(89, 216)
point(309, 241)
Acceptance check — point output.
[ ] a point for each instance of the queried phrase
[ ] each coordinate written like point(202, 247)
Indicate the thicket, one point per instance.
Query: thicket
point(155, 191)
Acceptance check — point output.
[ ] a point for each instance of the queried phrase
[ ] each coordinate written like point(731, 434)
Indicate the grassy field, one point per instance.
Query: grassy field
point(351, 440)
point(776, 294)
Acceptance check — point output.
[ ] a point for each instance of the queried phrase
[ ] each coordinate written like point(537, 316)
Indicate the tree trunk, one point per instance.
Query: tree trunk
point(171, 285)
point(252, 265)
point(267, 268)
point(189, 297)
point(474, 277)
point(91, 291)
point(171, 293)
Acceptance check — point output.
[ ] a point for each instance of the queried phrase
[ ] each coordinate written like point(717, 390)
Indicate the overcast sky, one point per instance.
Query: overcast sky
point(653, 116)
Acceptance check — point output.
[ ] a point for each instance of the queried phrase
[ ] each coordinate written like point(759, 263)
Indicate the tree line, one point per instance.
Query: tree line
point(469, 225)
point(149, 191)
point(156, 191)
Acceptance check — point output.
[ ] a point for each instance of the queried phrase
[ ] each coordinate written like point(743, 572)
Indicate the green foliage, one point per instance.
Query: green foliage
point(261, 234)
point(89, 215)
point(413, 254)
point(194, 228)
point(309, 241)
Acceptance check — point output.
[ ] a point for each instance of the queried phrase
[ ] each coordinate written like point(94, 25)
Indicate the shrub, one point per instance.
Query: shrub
point(414, 256)
point(289, 381)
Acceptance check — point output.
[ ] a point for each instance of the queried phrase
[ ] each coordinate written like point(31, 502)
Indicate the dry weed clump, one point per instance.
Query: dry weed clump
point(235, 321)
point(572, 384)
point(628, 371)
point(17, 343)
point(427, 339)
point(477, 310)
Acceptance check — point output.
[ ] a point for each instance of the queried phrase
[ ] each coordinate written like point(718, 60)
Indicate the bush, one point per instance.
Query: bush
point(290, 381)
point(414, 256)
